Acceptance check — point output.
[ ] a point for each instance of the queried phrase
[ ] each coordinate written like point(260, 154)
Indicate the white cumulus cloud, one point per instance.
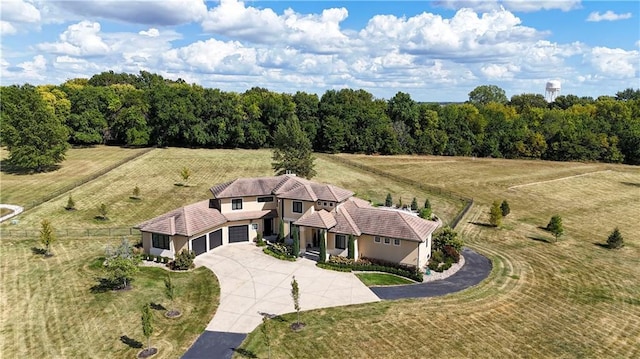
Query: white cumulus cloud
point(616, 63)
point(609, 15)
point(81, 39)
point(212, 56)
point(312, 32)
point(152, 32)
point(20, 11)
point(512, 5)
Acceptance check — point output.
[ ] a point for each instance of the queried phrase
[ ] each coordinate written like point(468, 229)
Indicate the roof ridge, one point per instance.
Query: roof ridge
point(350, 220)
point(404, 218)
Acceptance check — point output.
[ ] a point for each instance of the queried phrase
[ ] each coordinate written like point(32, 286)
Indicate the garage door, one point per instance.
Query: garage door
point(199, 245)
point(238, 234)
point(215, 239)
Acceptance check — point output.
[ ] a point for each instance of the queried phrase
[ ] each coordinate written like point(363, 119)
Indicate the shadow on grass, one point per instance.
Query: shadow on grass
point(601, 245)
point(107, 285)
point(273, 316)
point(544, 228)
point(481, 224)
point(539, 239)
point(245, 353)
point(8, 168)
point(156, 306)
point(132, 343)
point(632, 184)
point(38, 251)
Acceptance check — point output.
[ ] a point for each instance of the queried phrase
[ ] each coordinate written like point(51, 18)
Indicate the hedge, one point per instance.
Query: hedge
point(278, 255)
point(416, 276)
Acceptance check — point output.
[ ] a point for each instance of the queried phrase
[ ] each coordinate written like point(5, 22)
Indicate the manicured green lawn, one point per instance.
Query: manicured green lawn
point(372, 279)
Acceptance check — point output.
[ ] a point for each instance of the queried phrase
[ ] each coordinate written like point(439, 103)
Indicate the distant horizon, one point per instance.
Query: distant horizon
point(436, 51)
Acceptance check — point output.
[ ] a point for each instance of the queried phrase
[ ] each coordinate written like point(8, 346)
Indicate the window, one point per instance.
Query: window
point(376, 239)
point(265, 199)
point(160, 241)
point(396, 242)
point(325, 204)
point(341, 241)
point(254, 226)
point(331, 204)
point(236, 204)
point(387, 240)
point(319, 203)
point(297, 207)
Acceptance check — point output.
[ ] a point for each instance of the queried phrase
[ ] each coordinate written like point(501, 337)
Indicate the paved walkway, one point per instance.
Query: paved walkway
point(476, 268)
point(16, 211)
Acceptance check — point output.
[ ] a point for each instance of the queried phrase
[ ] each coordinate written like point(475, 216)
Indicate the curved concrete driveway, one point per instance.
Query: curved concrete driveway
point(252, 283)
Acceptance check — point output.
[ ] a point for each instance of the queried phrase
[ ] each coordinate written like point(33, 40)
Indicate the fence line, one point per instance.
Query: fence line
point(428, 188)
point(71, 232)
point(85, 180)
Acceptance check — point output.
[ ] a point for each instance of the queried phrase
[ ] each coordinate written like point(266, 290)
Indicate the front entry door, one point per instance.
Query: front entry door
point(267, 226)
point(316, 239)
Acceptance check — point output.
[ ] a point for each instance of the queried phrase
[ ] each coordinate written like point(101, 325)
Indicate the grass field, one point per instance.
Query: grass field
point(567, 299)
point(80, 163)
point(571, 299)
point(371, 279)
point(47, 309)
point(157, 172)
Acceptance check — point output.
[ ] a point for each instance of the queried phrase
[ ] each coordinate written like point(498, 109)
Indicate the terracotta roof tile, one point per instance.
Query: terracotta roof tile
point(240, 216)
point(258, 186)
point(186, 221)
point(319, 219)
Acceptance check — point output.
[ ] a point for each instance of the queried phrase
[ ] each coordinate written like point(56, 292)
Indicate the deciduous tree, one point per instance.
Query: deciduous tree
point(47, 235)
point(295, 295)
point(555, 226)
point(147, 324)
point(71, 204)
point(495, 214)
point(35, 137)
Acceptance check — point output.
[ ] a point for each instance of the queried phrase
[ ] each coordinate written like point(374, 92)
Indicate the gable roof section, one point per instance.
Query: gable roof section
point(357, 216)
point(319, 219)
point(257, 186)
point(185, 221)
point(301, 192)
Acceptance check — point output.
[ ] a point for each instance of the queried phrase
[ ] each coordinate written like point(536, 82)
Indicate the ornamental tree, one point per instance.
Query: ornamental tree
point(555, 226)
point(47, 236)
point(495, 214)
point(388, 202)
point(351, 252)
point(504, 208)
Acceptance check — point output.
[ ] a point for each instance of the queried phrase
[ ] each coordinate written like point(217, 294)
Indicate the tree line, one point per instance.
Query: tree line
point(39, 122)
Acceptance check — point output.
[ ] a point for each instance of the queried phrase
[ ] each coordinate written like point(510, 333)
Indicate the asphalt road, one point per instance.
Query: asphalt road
point(476, 268)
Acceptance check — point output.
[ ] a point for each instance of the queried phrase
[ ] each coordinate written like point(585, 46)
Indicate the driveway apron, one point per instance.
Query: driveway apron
point(252, 283)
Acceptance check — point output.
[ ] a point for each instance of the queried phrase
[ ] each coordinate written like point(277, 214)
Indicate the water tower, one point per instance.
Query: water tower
point(552, 90)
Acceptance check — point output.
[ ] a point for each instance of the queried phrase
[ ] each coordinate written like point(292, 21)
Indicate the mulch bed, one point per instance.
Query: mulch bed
point(173, 314)
point(296, 327)
point(148, 353)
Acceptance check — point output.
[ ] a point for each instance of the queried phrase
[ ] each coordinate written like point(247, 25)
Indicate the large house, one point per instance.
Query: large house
point(244, 207)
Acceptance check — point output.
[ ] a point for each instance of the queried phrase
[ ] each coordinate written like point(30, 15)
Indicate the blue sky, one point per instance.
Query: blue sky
point(434, 50)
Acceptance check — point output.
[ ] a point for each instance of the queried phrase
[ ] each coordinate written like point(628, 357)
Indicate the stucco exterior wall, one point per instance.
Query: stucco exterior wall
point(408, 252)
point(249, 203)
point(289, 215)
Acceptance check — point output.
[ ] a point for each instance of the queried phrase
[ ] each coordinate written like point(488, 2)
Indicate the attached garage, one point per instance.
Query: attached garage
point(238, 234)
point(215, 239)
point(199, 245)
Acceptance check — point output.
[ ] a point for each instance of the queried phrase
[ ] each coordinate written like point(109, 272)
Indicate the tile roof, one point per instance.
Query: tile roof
point(243, 215)
point(257, 186)
point(319, 219)
point(186, 221)
point(358, 215)
point(284, 186)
